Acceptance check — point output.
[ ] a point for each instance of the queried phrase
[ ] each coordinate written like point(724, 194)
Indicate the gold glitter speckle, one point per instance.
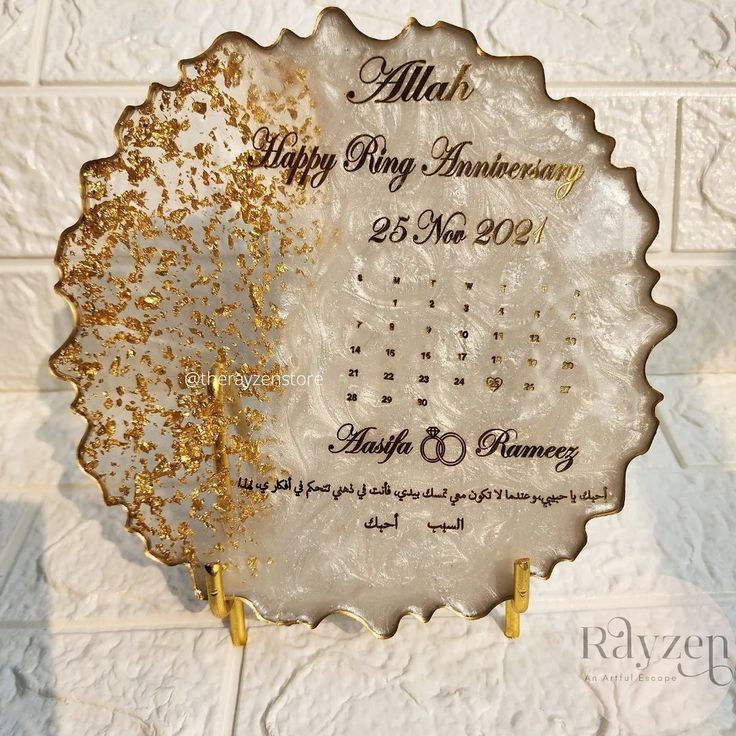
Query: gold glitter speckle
point(172, 269)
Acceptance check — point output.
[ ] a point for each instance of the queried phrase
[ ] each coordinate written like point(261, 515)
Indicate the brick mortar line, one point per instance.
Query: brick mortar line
point(231, 679)
point(101, 88)
point(38, 42)
point(65, 387)
point(682, 374)
point(639, 88)
point(101, 626)
point(667, 222)
point(91, 89)
point(204, 621)
point(37, 389)
point(669, 438)
point(12, 548)
point(40, 493)
point(690, 258)
point(677, 178)
point(10, 262)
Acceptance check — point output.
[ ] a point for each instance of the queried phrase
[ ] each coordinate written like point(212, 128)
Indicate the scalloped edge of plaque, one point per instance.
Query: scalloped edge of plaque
point(668, 318)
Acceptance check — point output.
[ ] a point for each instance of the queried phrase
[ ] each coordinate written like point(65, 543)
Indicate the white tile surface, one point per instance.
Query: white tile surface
point(704, 297)
point(643, 128)
point(39, 436)
point(45, 142)
point(110, 41)
point(116, 583)
point(17, 18)
point(699, 416)
point(132, 683)
point(707, 217)
point(639, 40)
point(36, 322)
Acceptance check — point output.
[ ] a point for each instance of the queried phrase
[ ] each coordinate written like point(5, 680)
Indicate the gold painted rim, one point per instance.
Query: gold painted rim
point(668, 317)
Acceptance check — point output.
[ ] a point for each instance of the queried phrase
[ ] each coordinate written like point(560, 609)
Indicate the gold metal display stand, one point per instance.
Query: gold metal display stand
point(224, 607)
point(233, 609)
point(519, 603)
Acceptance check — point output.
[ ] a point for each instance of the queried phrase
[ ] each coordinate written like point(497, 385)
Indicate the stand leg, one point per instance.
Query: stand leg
point(519, 603)
point(238, 629)
point(223, 607)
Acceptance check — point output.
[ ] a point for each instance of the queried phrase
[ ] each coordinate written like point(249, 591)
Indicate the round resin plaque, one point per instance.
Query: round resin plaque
point(363, 321)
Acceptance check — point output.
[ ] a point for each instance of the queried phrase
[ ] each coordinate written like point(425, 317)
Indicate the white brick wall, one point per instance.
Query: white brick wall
point(96, 639)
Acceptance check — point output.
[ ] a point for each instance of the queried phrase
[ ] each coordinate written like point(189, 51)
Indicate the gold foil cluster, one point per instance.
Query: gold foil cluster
point(171, 271)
